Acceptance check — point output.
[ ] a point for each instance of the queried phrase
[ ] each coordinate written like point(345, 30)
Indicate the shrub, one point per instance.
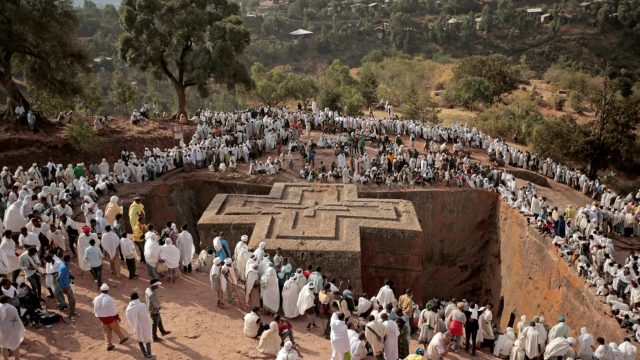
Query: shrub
point(82, 137)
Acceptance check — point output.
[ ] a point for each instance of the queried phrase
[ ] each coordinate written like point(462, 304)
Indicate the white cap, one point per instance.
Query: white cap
point(104, 287)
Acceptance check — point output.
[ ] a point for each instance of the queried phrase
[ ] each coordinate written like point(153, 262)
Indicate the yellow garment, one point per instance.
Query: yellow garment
point(139, 231)
point(111, 211)
point(135, 210)
point(414, 357)
point(406, 304)
point(324, 297)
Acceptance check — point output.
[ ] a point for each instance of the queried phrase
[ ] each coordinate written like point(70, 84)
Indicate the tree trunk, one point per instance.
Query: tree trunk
point(14, 95)
point(182, 100)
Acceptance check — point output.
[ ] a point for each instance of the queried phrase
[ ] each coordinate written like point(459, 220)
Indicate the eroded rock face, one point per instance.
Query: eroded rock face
point(472, 246)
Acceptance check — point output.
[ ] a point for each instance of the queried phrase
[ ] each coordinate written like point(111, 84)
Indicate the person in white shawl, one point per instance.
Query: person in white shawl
point(531, 337)
point(112, 209)
point(288, 352)
point(270, 291)
point(110, 243)
point(186, 247)
point(585, 344)
point(13, 219)
point(385, 295)
point(486, 327)
point(306, 304)
point(83, 245)
point(11, 328)
point(152, 253)
point(170, 254)
point(138, 317)
point(259, 252)
point(339, 338)
point(627, 349)
point(230, 277)
point(503, 345)
point(560, 347)
point(252, 286)
point(8, 258)
point(302, 281)
point(264, 264)
point(241, 256)
point(290, 292)
point(218, 282)
point(88, 209)
point(249, 266)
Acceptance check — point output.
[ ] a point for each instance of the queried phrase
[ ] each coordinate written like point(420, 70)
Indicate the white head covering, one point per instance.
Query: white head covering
point(114, 199)
point(244, 238)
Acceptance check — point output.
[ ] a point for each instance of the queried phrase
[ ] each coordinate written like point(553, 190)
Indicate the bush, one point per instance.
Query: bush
point(82, 137)
point(515, 121)
point(560, 139)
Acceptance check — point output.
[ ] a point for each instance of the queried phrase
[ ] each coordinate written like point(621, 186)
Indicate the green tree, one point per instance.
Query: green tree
point(500, 73)
point(302, 87)
point(82, 137)
point(486, 21)
point(469, 26)
point(338, 90)
point(271, 86)
point(504, 11)
point(123, 92)
point(401, 30)
point(190, 42)
point(368, 84)
point(514, 121)
point(469, 91)
point(559, 139)
point(37, 41)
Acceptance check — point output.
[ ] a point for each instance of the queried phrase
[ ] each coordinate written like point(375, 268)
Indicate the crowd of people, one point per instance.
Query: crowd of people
point(37, 218)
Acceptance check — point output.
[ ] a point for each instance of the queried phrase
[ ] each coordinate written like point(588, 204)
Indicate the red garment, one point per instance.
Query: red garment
point(109, 319)
point(455, 328)
point(283, 326)
point(306, 273)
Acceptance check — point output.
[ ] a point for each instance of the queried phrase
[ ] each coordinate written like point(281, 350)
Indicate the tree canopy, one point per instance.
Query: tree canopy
point(190, 42)
point(500, 73)
point(37, 41)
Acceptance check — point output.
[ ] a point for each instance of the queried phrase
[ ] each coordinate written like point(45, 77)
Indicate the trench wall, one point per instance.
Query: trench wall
point(535, 280)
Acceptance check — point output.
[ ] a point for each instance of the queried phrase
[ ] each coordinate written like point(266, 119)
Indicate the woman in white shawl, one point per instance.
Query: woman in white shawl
point(486, 326)
point(8, 258)
point(88, 209)
point(306, 303)
point(290, 292)
point(270, 340)
point(270, 291)
point(138, 317)
point(186, 247)
point(521, 324)
point(112, 209)
point(288, 352)
point(101, 222)
point(251, 287)
point(170, 254)
point(502, 348)
point(259, 252)
point(585, 344)
point(11, 329)
point(13, 219)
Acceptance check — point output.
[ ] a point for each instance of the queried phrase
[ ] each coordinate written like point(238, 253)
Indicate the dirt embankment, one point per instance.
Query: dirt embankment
point(536, 281)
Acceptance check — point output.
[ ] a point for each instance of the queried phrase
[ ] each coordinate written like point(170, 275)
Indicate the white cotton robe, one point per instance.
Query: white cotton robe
point(138, 317)
point(186, 247)
point(11, 328)
point(290, 293)
point(270, 291)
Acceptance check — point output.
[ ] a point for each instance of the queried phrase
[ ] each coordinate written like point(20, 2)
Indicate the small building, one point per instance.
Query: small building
point(546, 18)
point(478, 20)
point(534, 12)
point(452, 23)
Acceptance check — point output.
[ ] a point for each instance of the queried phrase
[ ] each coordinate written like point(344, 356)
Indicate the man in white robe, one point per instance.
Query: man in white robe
point(251, 286)
point(503, 345)
point(627, 349)
point(8, 258)
point(290, 292)
point(385, 295)
point(586, 344)
point(241, 256)
point(218, 282)
point(375, 333)
point(306, 304)
point(560, 347)
point(269, 290)
point(391, 340)
point(83, 245)
point(11, 329)
point(531, 337)
point(186, 247)
point(170, 254)
point(138, 317)
point(339, 338)
point(110, 244)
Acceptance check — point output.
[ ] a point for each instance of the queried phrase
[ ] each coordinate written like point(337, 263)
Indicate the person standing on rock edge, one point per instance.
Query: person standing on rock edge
point(104, 307)
point(153, 303)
